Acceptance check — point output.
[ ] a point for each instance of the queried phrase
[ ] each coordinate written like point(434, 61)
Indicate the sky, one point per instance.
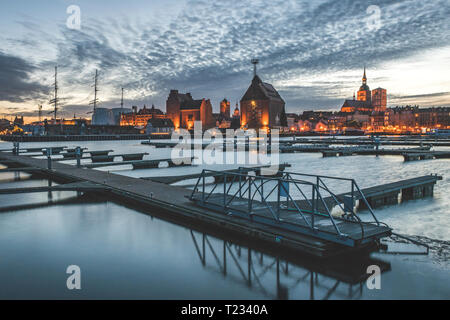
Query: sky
point(312, 51)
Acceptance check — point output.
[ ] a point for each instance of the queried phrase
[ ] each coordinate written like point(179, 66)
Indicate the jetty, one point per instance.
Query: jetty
point(376, 141)
point(259, 170)
point(242, 201)
point(322, 238)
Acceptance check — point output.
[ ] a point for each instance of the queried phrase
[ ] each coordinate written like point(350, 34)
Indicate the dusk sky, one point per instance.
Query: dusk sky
point(313, 52)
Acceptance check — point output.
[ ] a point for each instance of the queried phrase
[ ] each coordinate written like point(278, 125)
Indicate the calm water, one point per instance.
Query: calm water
point(125, 254)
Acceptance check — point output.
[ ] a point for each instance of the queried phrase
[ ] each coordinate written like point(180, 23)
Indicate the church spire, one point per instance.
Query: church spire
point(364, 79)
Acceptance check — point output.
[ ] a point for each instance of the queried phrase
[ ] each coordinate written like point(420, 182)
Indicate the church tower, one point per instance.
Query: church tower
point(364, 93)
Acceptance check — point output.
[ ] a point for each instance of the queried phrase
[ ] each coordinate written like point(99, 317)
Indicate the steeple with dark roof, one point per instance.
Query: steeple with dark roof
point(364, 79)
point(364, 93)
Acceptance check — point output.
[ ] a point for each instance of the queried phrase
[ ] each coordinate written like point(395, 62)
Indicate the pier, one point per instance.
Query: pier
point(410, 189)
point(217, 177)
point(374, 142)
point(364, 149)
point(178, 204)
point(240, 201)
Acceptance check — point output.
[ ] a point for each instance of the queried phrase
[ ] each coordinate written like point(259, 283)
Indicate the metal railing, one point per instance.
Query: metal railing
point(254, 196)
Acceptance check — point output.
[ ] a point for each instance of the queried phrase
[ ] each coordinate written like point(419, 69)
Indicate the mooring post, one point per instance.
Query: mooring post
point(16, 148)
point(49, 158)
point(78, 156)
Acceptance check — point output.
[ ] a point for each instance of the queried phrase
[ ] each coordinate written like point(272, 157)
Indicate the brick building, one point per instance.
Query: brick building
point(183, 110)
point(261, 105)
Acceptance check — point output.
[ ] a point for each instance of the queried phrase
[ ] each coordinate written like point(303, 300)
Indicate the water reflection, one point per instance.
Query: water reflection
point(277, 278)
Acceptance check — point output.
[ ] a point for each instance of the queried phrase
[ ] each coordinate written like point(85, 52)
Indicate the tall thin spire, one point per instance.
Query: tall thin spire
point(364, 79)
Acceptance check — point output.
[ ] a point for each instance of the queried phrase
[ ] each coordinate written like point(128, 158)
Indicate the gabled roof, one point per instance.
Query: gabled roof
point(259, 90)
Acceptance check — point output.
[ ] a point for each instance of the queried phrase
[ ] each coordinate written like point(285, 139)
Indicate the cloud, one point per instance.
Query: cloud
point(206, 48)
point(429, 99)
point(15, 83)
point(428, 95)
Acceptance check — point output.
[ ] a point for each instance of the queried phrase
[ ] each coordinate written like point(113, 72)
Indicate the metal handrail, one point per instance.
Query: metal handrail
point(320, 176)
point(366, 202)
point(358, 220)
point(289, 179)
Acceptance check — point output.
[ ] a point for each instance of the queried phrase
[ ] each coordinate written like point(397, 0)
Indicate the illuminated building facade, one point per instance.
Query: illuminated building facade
point(379, 99)
point(261, 106)
point(366, 101)
point(140, 118)
point(183, 110)
point(225, 110)
point(364, 93)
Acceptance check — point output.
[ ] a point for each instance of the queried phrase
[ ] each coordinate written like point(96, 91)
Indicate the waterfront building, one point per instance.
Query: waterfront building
point(364, 93)
point(261, 106)
point(236, 119)
point(435, 117)
point(304, 125)
point(225, 110)
point(236, 112)
point(379, 99)
point(366, 100)
point(183, 110)
point(140, 118)
point(159, 126)
point(377, 121)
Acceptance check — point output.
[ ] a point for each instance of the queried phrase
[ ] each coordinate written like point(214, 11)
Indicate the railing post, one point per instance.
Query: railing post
point(78, 155)
point(16, 148)
point(203, 187)
point(353, 194)
point(224, 190)
point(313, 206)
point(249, 194)
point(278, 198)
point(240, 184)
point(262, 190)
point(49, 158)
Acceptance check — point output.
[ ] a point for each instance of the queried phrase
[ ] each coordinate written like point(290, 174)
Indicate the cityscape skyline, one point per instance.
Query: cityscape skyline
point(206, 48)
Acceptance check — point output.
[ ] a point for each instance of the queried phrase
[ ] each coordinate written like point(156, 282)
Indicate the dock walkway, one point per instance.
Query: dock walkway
point(173, 204)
